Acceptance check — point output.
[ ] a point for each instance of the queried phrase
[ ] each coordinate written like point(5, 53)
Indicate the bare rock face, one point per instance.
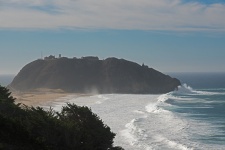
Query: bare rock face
point(89, 74)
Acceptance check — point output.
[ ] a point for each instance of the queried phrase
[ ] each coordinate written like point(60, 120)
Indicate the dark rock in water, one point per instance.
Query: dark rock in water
point(89, 74)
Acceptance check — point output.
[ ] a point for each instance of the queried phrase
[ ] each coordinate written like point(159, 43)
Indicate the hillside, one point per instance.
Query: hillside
point(89, 74)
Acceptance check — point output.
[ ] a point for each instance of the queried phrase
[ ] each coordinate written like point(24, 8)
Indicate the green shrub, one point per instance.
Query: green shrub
point(74, 128)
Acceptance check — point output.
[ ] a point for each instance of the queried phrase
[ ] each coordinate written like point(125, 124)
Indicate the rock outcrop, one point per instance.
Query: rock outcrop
point(89, 74)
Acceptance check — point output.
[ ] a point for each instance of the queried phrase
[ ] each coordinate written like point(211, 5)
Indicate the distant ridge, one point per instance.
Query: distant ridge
point(89, 74)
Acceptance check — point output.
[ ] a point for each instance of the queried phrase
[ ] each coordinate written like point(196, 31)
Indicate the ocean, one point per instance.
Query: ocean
point(191, 118)
point(6, 79)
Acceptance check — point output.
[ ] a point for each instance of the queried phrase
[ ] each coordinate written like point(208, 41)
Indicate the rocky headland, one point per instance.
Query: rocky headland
point(91, 75)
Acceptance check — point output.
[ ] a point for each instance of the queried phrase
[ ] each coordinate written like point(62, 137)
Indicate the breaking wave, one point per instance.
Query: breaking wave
point(156, 122)
point(185, 89)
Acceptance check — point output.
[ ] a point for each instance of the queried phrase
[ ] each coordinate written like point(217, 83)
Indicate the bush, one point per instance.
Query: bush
point(75, 127)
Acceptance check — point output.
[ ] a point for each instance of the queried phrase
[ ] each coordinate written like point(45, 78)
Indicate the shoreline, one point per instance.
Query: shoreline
point(39, 97)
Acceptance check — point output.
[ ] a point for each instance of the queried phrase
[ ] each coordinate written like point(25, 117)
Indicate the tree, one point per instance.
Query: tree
point(94, 133)
point(73, 128)
point(5, 95)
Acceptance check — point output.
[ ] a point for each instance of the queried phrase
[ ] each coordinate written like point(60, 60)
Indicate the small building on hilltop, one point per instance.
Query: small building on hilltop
point(49, 57)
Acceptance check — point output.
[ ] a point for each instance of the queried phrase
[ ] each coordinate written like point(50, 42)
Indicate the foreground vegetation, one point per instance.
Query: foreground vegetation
point(74, 128)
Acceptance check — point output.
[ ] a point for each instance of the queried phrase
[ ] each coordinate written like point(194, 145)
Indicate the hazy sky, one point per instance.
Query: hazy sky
point(168, 35)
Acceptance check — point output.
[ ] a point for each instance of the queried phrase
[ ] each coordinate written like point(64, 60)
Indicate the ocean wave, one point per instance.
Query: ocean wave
point(213, 89)
point(208, 93)
point(187, 90)
point(167, 123)
point(135, 135)
point(171, 144)
point(155, 108)
point(101, 99)
point(149, 122)
point(139, 112)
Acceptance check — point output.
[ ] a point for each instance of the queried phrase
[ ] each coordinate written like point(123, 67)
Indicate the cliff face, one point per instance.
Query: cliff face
point(85, 75)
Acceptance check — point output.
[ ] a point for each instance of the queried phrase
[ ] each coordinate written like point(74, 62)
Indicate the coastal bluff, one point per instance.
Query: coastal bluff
point(89, 74)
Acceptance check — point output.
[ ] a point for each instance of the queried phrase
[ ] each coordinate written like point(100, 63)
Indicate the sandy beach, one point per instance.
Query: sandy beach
point(40, 96)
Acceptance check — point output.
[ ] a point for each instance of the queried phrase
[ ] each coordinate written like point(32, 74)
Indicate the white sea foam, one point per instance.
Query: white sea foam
point(98, 102)
point(154, 107)
point(101, 98)
point(139, 112)
point(208, 93)
point(128, 133)
point(135, 135)
point(185, 89)
point(171, 144)
point(142, 123)
point(163, 97)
